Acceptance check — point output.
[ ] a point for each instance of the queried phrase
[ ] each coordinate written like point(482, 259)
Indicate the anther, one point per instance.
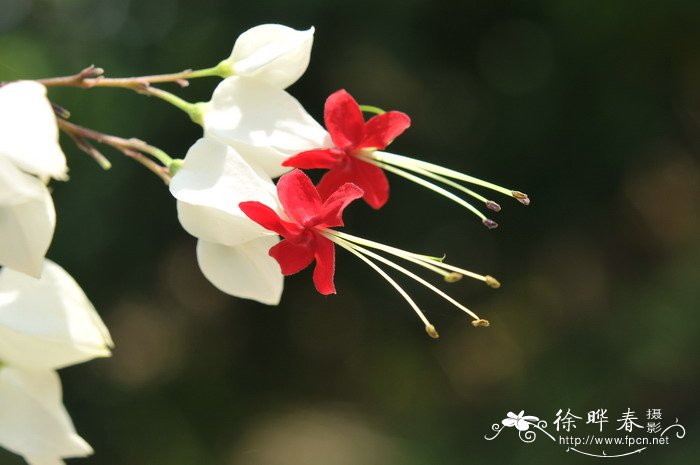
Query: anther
point(453, 277)
point(491, 205)
point(521, 197)
point(492, 282)
point(432, 332)
point(481, 323)
point(490, 223)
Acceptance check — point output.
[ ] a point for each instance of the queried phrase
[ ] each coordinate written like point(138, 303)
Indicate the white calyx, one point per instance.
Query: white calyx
point(232, 250)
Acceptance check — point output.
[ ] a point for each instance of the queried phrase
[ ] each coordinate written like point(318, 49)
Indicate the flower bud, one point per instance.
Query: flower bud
point(272, 53)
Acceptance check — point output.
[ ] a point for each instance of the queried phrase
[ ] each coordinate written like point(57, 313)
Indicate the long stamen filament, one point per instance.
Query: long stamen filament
point(437, 189)
point(406, 162)
point(419, 259)
point(430, 329)
point(362, 250)
point(490, 204)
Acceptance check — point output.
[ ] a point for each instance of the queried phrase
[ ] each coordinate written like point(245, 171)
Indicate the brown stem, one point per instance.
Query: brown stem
point(132, 148)
point(93, 77)
point(90, 149)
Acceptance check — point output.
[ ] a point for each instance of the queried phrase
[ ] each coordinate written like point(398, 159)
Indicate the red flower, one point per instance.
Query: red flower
point(303, 237)
point(352, 137)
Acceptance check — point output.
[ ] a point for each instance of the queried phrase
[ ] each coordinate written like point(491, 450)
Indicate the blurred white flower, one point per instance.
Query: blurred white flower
point(263, 123)
point(45, 324)
point(272, 53)
point(232, 250)
point(28, 131)
point(29, 154)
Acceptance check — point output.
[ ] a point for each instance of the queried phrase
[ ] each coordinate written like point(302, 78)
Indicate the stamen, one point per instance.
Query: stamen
point(453, 277)
point(522, 198)
point(492, 282)
point(369, 253)
point(481, 323)
point(491, 205)
point(431, 186)
point(410, 163)
point(431, 263)
point(347, 246)
point(490, 223)
point(432, 332)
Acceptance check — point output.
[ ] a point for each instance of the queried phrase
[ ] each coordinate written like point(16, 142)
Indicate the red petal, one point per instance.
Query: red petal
point(293, 256)
point(335, 204)
point(325, 266)
point(380, 130)
point(299, 198)
point(268, 219)
point(344, 120)
point(333, 179)
point(372, 180)
point(368, 177)
point(321, 158)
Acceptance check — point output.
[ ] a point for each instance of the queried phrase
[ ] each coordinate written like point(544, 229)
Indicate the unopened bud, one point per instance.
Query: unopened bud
point(453, 277)
point(432, 332)
point(521, 197)
point(481, 323)
point(492, 282)
point(490, 223)
point(491, 205)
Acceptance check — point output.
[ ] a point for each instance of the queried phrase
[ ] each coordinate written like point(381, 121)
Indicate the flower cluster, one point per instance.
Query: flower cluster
point(46, 321)
point(254, 131)
point(29, 155)
point(251, 232)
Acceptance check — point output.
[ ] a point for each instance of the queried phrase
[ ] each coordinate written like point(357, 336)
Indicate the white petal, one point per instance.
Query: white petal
point(211, 183)
point(15, 185)
point(28, 131)
point(522, 425)
point(33, 421)
point(275, 54)
point(263, 123)
point(49, 322)
point(44, 460)
point(508, 422)
point(245, 270)
point(27, 220)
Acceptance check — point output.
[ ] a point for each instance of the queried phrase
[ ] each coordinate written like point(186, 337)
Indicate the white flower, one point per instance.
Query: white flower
point(34, 423)
point(45, 324)
point(520, 421)
point(272, 53)
point(28, 131)
point(264, 124)
point(29, 153)
point(232, 250)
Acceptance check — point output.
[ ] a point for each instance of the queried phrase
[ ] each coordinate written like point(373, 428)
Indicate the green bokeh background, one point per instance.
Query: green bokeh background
point(593, 108)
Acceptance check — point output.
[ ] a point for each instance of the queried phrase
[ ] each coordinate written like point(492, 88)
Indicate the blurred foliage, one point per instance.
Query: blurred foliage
point(593, 108)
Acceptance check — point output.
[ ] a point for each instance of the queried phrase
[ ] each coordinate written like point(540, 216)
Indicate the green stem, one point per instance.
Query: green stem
point(192, 109)
point(371, 109)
